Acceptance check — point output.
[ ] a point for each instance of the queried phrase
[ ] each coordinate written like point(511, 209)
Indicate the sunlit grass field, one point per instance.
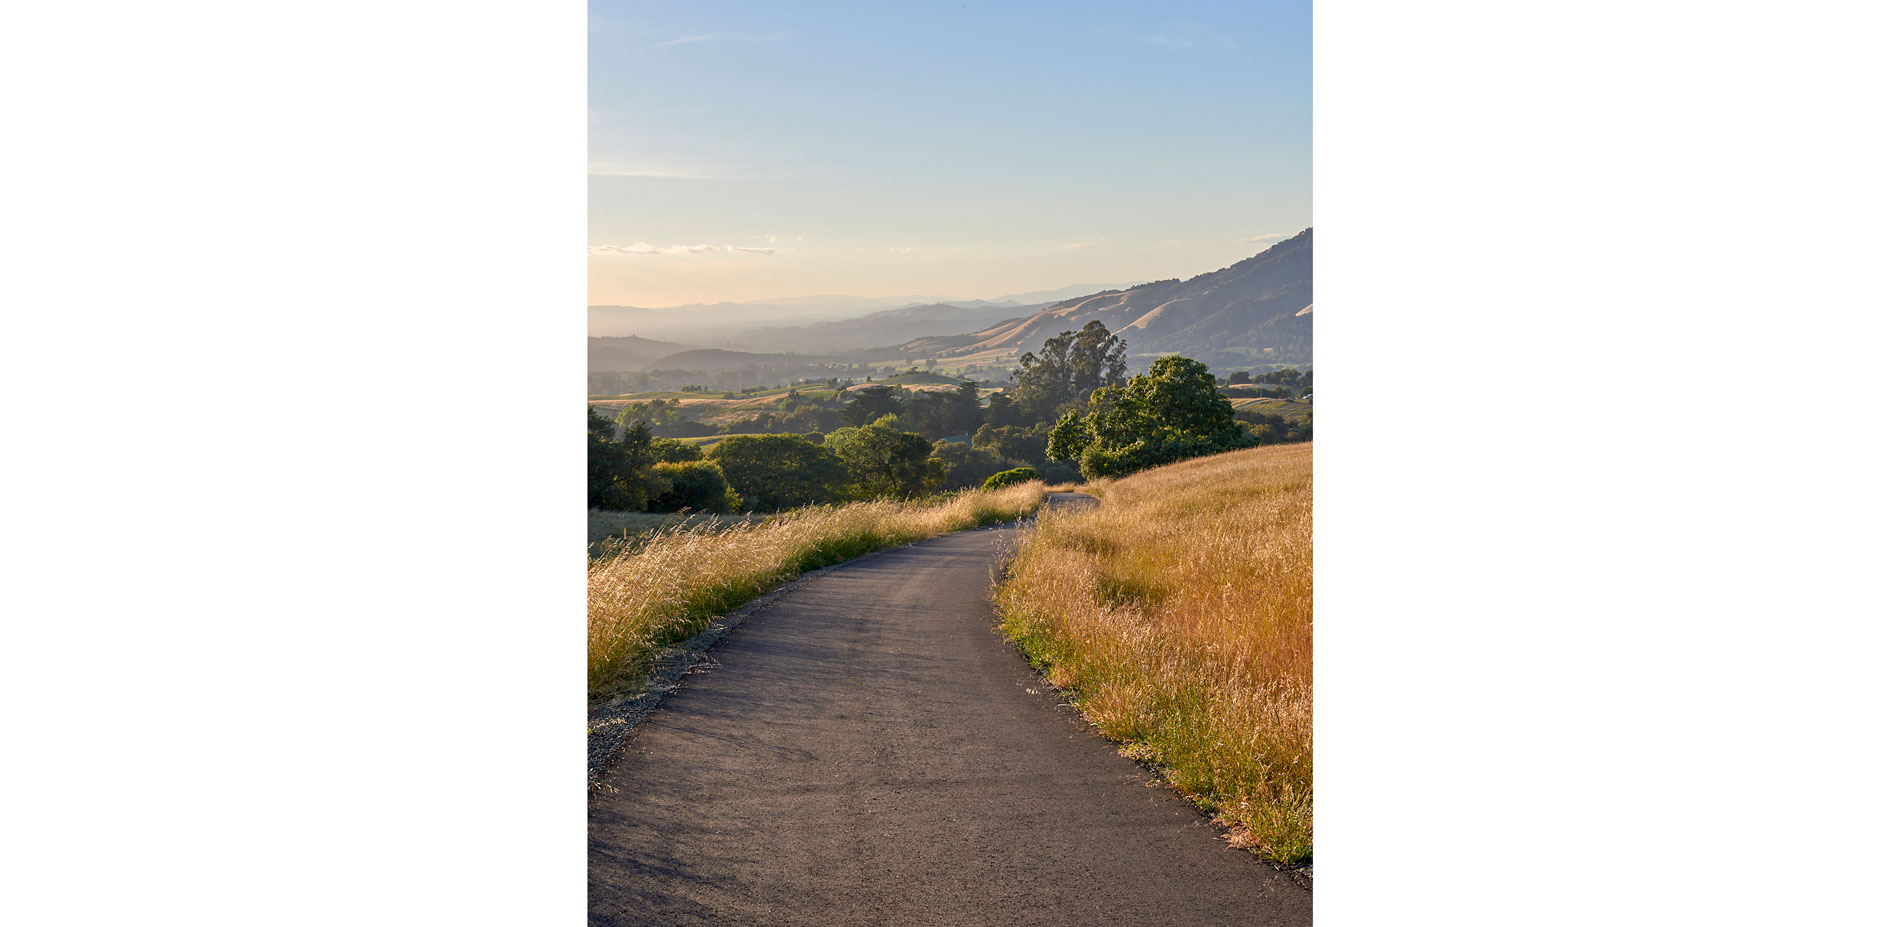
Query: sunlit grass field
point(669, 586)
point(607, 531)
point(1179, 614)
point(1290, 408)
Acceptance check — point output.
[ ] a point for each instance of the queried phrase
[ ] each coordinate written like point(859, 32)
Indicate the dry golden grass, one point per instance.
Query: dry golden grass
point(1179, 614)
point(609, 531)
point(645, 595)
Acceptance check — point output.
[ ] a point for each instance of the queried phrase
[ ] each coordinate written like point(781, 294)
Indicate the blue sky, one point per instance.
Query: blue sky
point(748, 150)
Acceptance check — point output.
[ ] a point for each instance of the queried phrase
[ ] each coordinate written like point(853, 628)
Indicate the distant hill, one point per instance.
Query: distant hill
point(694, 321)
point(628, 352)
point(742, 325)
point(1260, 309)
point(1291, 409)
point(1050, 296)
point(921, 378)
point(715, 359)
point(879, 329)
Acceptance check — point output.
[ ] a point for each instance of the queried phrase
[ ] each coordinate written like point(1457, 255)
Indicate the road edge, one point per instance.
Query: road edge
point(611, 725)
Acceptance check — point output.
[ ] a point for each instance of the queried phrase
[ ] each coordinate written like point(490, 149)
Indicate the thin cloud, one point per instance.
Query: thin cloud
point(1081, 244)
point(1186, 37)
point(641, 247)
point(904, 250)
point(1263, 239)
point(598, 169)
point(719, 37)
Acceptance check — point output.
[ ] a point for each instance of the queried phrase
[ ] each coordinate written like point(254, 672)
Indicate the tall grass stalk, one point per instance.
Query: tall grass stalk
point(668, 587)
point(1179, 613)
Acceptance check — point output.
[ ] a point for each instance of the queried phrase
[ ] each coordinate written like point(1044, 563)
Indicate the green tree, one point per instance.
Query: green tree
point(1172, 412)
point(885, 462)
point(937, 413)
point(771, 472)
point(619, 471)
point(1055, 472)
point(1018, 443)
point(693, 484)
point(966, 408)
point(870, 404)
point(671, 450)
point(1070, 367)
point(658, 413)
point(1002, 412)
point(965, 466)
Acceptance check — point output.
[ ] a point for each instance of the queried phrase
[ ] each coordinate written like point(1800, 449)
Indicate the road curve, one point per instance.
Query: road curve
point(870, 750)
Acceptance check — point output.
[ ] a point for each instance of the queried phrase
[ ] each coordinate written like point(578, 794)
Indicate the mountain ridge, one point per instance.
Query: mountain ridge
point(1257, 308)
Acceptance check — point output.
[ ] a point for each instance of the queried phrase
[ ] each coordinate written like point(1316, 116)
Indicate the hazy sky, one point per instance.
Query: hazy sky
point(743, 150)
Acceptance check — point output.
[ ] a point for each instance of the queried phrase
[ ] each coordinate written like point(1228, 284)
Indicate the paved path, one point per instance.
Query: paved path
point(870, 750)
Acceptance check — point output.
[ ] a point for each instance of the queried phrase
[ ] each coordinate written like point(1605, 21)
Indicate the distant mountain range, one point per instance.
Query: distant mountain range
point(889, 327)
point(739, 324)
point(628, 352)
point(1259, 309)
point(631, 354)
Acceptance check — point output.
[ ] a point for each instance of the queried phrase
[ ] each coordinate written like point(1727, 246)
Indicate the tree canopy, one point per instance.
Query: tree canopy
point(772, 472)
point(1070, 367)
point(965, 466)
point(1172, 412)
point(619, 471)
point(870, 404)
point(695, 485)
point(883, 461)
point(938, 413)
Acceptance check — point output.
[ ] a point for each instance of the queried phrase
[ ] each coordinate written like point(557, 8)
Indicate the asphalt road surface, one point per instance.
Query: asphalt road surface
point(871, 750)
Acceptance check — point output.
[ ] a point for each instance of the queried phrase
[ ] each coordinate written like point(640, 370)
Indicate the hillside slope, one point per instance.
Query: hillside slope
point(878, 329)
point(715, 359)
point(628, 352)
point(1260, 309)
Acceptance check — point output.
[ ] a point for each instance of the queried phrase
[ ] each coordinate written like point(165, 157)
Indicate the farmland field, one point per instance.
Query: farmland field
point(1290, 408)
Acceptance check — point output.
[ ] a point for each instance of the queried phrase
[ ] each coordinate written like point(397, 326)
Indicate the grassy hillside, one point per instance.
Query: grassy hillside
point(717, 359)
point(920, 378)
point(1179, 614)
point(628, 352)
point(1260, 309)
point(878, 329)
point(1290, 408)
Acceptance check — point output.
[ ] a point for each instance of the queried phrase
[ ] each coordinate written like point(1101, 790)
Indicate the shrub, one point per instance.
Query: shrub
point(1011, 478)
point(778, 471)
point(691, 484)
